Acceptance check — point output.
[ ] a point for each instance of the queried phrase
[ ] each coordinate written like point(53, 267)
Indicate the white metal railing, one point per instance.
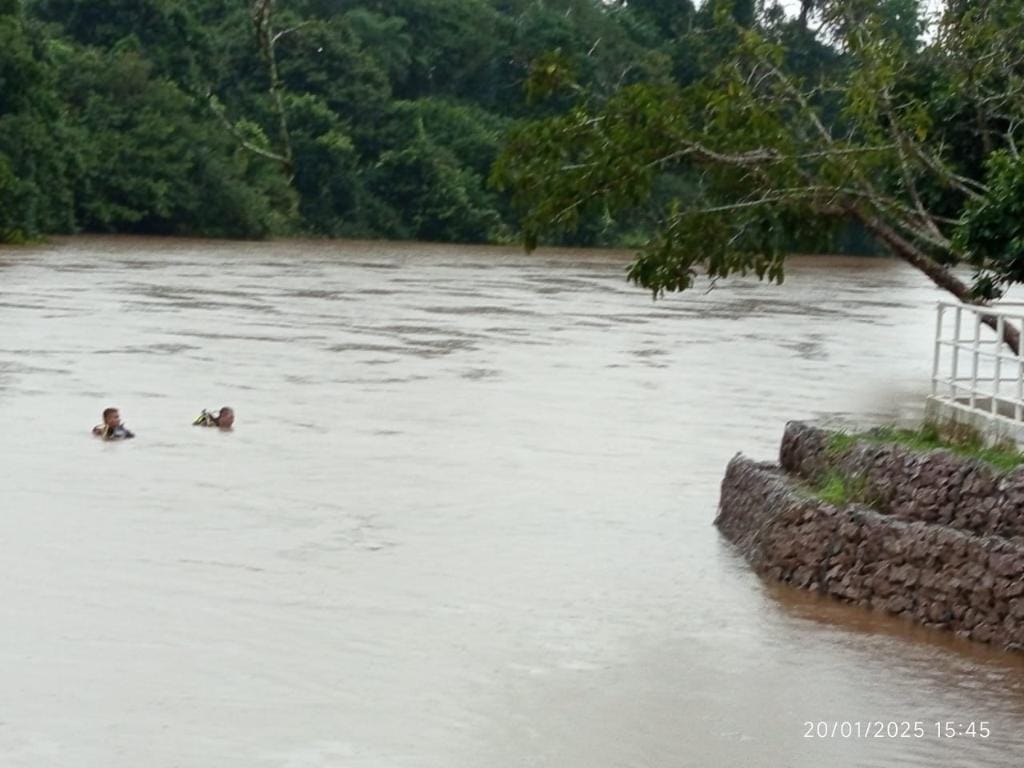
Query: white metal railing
point(973, 368)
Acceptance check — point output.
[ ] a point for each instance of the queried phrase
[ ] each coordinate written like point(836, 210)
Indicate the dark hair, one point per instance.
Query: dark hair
point(108, 411)
point(225, 408)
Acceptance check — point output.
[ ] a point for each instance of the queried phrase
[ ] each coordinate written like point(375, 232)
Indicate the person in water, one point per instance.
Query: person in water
point(224, 418)
point(112, 428)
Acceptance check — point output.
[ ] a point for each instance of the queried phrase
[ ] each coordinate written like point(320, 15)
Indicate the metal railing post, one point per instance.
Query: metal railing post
point(956, 353)
point(969, 390)
point(938, 349)
point(974, 361)
point(1000, 321)
point(1020, 376)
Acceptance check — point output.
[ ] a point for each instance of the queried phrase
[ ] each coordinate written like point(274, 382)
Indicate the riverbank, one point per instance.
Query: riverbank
point(896, 525)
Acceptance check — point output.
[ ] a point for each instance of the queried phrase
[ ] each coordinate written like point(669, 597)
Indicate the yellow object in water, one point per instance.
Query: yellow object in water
point(205, 419)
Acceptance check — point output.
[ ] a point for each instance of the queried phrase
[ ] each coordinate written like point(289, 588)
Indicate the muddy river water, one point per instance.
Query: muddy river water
point(464, 520)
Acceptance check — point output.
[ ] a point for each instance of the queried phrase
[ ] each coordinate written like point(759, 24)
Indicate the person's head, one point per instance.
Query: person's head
point(112, 417)
point(226, 417)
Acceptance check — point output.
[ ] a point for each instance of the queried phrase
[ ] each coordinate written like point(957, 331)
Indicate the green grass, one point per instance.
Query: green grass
point(961, 440)
point(840, 442)
point(836, 488)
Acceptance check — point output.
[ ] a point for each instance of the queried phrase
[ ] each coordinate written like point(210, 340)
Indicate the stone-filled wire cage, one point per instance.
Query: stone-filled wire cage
point(976, 376)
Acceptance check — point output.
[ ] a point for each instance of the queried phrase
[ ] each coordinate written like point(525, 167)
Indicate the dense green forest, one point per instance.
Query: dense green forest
point(363, 118)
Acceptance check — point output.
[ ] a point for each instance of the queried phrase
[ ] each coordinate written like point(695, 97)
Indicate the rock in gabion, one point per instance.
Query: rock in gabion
point(935, 487)
point(943, 547)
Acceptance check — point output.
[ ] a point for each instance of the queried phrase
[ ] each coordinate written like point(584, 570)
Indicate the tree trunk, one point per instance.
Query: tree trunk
point(805, 10)
point(936, 272)
point(262, 18)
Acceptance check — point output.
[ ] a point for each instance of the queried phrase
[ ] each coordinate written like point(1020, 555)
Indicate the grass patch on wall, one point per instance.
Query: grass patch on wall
point(961, 440)
point(838, 489)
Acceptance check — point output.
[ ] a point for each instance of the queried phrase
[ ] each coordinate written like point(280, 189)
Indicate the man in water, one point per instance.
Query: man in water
point(112, 428)
point(224, 419)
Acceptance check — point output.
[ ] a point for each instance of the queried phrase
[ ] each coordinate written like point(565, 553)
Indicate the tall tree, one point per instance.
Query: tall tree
point(776, 169)
point(34, 158)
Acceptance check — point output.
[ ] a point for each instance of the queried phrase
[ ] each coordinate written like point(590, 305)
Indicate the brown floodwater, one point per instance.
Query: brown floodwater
point(464, 520)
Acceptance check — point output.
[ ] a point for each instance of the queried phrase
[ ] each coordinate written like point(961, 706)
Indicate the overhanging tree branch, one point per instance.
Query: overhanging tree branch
point(244, 142)
point(766, 157)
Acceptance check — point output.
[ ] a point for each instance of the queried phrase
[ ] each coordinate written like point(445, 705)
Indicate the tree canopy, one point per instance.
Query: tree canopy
point(792, 129)
point(248, 118)
point(718, 137)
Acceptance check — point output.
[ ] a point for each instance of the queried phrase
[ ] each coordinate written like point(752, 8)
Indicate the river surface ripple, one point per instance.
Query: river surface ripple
point(464, 520)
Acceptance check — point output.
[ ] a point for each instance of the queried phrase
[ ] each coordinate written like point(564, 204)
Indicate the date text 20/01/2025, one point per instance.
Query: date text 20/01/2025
point(896, 729)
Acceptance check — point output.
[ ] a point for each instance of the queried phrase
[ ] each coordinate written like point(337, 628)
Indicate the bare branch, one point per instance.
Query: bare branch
point(901, 140)
point(261, 13)
point(971, 187)
point(215, 107)
point(284, 32)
